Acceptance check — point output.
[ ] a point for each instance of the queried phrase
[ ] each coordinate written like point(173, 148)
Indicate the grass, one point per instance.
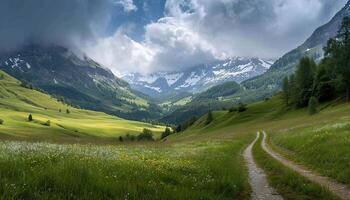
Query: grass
point(192, 169)
point(17, 102)
point(322, 147)
point(204, 162)
point(288, 183)
point(180, 171)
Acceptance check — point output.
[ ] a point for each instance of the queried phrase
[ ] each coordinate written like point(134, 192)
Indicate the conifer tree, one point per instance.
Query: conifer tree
point(286, 90)
point(209, 118)
point(313, 103)
point(30, 117)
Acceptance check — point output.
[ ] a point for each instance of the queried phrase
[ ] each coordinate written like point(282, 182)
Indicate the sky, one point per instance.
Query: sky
point(146, 36)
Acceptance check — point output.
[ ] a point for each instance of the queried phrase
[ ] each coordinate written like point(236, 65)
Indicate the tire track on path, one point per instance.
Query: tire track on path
point(341, 190)
point(261, 190)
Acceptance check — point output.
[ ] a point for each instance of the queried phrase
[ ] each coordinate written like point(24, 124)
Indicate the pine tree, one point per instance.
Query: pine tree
point(324, 82)
point(293, 91)
point(337, 52)
point(166, 133)
point(286, 89)
point(313, 103)
point(304, 80)
point(30, 117)
point(209, 118)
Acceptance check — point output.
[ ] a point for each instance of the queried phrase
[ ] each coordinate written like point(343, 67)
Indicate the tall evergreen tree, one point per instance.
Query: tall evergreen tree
point(292, 99)
point(286, 89)
point(337, 52)
point(312, 107)
point(209, 118)
point(324, 82)
point(304, 80)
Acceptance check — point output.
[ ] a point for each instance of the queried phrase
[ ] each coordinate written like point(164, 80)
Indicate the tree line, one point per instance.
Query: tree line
point(330, 79)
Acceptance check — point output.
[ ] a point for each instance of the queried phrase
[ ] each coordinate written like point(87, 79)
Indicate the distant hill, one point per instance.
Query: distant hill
point(54, 120)
point(215, 98)
point(78, 79)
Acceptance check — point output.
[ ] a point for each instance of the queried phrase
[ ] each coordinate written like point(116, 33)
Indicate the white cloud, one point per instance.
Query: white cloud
point(198, 31)
point(121, 54)
point(128, 5)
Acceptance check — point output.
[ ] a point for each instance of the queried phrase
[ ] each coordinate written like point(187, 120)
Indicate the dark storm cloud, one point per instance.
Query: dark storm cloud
point(62, 22)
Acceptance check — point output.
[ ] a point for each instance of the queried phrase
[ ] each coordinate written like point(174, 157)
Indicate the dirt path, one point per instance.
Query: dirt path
point(338, 189)
point(257, 178)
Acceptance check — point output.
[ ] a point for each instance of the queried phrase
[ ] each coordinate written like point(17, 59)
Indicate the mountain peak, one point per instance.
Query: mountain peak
point(199, 78)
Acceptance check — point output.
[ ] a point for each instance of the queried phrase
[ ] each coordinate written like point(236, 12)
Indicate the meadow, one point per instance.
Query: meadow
point(199, 170)
point(79, 155)
point(323, 146)
point(67, 124)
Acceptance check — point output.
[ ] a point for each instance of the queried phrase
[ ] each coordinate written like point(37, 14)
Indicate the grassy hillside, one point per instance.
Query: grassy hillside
point(17, 102)
point(204, 162)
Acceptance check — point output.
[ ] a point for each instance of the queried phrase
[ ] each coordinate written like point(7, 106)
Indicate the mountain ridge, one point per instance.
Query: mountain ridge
point(198, 78)
point(81, 81)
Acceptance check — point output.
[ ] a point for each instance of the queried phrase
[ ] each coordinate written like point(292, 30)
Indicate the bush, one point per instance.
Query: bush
point(30, 117)
point(68, 111)
point(121, 139)
point(145, 135)
point(130, 137)
point(241, 107)
point(166, 133)
point(233, 109)
point(1, 121)
point(313, 103)
point(47, 123)
point(210, 118)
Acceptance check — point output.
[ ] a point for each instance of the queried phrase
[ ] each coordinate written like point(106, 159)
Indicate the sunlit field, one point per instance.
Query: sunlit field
point(67, 124)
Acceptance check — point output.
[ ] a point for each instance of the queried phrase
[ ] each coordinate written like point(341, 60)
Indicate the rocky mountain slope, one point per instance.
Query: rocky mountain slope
point(270, 82)
point(199, 78)
point(80, 81)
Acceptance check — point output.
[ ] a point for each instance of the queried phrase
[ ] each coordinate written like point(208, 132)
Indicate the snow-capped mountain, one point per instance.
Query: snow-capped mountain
point(199, 77)
point(78, 79)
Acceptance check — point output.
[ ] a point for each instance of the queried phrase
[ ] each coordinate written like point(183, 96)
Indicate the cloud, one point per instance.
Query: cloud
point(191, 32)
point(63, 22)
point(198, 31)
point(128, 5)
point(121, 54)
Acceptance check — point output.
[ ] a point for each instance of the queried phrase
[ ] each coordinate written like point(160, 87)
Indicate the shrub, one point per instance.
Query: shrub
point(241, 107)
point(209, 118)
point(1, 121)
point(121, 139)
point(166, 133)
point(30, 117)
point(68, 111)
point(145, 135)
point(313, 103)
point(130, 137)
point(233, 109)
point(47, 123)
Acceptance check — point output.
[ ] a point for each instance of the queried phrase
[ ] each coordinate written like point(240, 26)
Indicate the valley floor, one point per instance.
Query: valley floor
point(204, 162)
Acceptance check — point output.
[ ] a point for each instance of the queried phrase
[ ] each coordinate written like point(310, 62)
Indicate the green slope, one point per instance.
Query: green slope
point(16, 102)
point(319, 142)
point(215, 98)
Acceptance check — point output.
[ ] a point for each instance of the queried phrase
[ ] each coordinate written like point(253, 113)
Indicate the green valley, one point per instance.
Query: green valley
point(185, 101)
point(66, 123)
